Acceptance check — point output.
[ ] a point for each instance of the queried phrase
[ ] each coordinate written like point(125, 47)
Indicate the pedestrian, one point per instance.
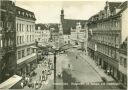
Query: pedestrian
point(108, 71)
point(22, 84)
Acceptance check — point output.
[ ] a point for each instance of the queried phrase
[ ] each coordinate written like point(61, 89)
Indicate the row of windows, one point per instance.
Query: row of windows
point(22, 39)
point(123, 62)
point(106, 38)
point(26, 14)
point(30, 38)
point(23, 27)
point(5, 42)
point(103, 49)
point(25, 52)
point(9, 25)
point(108, 25)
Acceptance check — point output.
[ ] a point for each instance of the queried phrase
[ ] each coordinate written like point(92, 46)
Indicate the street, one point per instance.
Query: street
point(82, 69)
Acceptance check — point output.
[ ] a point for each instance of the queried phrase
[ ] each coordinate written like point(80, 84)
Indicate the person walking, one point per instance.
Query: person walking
point(22, 84)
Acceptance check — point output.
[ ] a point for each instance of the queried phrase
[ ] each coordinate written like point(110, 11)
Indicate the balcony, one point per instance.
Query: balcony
point(28, 58)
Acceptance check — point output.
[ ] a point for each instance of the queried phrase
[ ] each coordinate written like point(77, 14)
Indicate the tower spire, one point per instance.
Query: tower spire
point(62, 15)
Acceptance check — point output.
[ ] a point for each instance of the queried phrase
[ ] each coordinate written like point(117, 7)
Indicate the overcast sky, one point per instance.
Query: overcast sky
point(49, 11)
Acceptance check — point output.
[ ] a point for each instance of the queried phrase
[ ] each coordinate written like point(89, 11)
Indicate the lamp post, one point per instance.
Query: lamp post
point(55, 51)
point(55, 70)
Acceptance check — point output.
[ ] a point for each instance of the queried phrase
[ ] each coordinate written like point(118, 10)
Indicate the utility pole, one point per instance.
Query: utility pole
point(55, 70)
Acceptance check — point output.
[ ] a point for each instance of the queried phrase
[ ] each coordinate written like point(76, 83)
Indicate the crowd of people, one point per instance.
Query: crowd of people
point(31, 83)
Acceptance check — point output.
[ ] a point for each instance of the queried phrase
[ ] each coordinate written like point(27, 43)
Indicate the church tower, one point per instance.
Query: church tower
point(62, 15)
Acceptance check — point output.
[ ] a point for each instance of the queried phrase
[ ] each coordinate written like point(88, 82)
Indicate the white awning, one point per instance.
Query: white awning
point(10, 82)
point(33, 47)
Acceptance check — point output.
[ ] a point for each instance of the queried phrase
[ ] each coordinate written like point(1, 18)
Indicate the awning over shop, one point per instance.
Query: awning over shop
point(33, 47)
point(28, 58)
point(10, 82)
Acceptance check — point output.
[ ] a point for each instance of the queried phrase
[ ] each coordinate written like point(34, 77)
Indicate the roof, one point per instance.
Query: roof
point(42, 26)
point(113, 5)
point(10, 82)
point(67, 24)
point(55, 26)
point(123, 6)
point(23, 13)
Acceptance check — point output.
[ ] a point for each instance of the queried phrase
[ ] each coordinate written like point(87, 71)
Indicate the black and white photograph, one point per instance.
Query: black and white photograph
point(63, 44)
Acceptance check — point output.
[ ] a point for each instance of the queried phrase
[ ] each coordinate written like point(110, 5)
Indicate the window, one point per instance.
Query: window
point(1, 24)
point(17, 27)
point(17, 40)
point(121, 61)
point(23, 53)
point(1, 43)
point(30, 38)
point(125, 62)
point(27, 27)
point(27, 38)
point(20, 40)
point(22, 27)
point(19, 55)
point(28, 51)
point(30, 27)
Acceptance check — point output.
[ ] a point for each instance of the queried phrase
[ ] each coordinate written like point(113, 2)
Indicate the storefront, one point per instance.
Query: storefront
point(108, 64)
point(24, 68)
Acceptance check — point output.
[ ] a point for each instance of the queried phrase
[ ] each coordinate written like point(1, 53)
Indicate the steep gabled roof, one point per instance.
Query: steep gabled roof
point(113, 5)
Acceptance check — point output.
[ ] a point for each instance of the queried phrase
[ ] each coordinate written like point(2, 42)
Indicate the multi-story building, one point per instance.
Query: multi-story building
point(72, 29)
point(106, 32)
point(79, 36)
point(42, 33)
point(54, 33)
point(122, 58)
point(25, 40)
point(7, 39)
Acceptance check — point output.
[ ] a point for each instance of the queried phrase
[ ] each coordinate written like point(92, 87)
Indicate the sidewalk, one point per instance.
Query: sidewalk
point(97, 68)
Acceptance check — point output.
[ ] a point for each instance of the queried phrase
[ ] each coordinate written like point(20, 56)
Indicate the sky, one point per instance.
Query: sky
point(49, 11)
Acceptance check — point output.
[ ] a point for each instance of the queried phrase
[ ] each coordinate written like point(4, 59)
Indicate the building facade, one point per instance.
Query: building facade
point(122, 58)
point(25, 40)
point(79, 36)
point(105, 36)
point(7, 39)
point(73, 30)
point(42, 33)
